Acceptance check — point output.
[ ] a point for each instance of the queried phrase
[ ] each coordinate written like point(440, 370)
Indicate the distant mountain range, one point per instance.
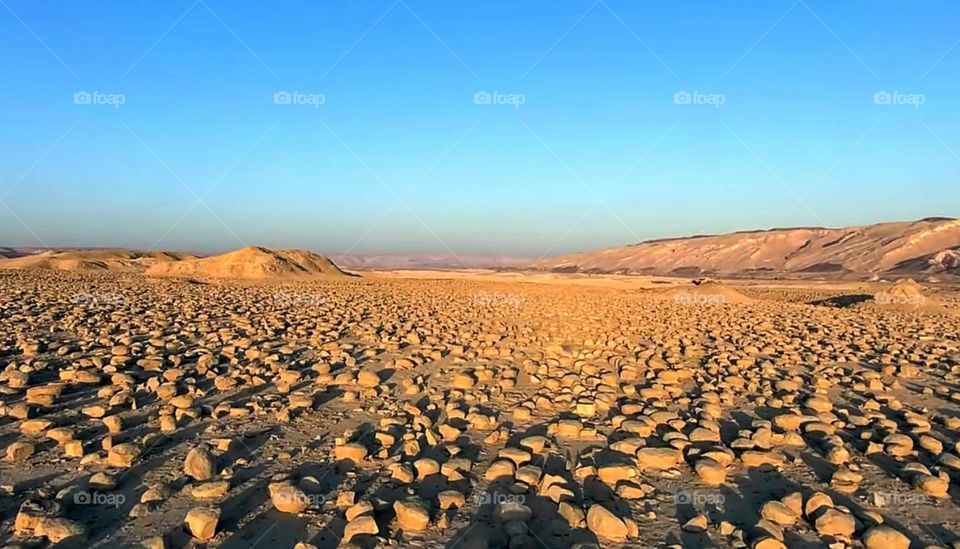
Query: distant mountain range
point(926, 248)
point(929, 246)
point(42, 257)
point(430, 261)
point(7, 252)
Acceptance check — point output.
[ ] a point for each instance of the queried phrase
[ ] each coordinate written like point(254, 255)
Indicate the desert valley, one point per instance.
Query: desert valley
point(578, 274)
point(782, 388)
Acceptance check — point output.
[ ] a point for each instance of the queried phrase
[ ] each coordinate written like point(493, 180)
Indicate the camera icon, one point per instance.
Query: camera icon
point(82, 498)
point(682, 498)
point(482, 98)
point(282, 98)
point(882, 98)
point(681, 98)
point(82, 98)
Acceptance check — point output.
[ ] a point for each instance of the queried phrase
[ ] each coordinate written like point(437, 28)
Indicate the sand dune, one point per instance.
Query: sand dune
point(253, 263)
point(91, 260)
point(928, 246)
point(705, 292)
point(906, 294)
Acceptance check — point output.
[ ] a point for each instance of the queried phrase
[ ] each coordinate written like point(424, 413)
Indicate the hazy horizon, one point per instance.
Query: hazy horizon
point(402, 126)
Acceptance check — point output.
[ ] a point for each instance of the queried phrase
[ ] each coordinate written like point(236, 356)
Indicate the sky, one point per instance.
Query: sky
point(500, 127)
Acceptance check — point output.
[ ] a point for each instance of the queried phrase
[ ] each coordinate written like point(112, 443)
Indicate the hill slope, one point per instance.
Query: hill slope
point(252, 263)
point(927, 246)
point(91, 260)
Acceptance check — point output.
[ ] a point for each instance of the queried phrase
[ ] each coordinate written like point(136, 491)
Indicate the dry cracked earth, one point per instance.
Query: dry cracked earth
point(462, 413)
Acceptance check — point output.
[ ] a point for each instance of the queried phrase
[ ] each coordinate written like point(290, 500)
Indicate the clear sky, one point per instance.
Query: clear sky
point(522, 128)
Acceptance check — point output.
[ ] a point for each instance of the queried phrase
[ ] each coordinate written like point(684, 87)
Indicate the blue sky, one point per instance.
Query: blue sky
point(585, 142)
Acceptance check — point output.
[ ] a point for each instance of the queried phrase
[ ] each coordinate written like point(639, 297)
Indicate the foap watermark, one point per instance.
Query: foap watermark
point(297, 497)
point(897, 499)
point(498, 299)
point(98, 498)
point(699, 98)
point(684, 497)
point(889, 298)
point(298, 299)
point(884, 97)
point(497, 98)
point(284, 97)
point(693, 298)
point(98, 298)
point(496, 498)
point(114, 100)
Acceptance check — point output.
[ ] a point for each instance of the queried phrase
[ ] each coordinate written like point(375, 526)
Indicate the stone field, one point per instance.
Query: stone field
point(472, 413)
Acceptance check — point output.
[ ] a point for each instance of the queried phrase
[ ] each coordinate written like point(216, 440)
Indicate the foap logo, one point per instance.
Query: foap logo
point(496, 98)
point(97, 298)
point(699, 98)
point(498, 299)
point(314, 100)
point(114, 100)
point(914, 100)
point(691, 298)
point(888, 298)
point(98, 498)
point(698, 498)
point(488, 498)
point(896, 499)
point(296, 497)
point(298, 299)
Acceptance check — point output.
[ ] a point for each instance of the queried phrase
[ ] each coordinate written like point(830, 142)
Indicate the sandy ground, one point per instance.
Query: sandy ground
point(643, 282)
point(474, 409)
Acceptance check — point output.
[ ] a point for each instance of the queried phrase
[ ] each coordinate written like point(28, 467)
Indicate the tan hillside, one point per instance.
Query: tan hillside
point(91, 260)
point(928, 246)
point(253, 263)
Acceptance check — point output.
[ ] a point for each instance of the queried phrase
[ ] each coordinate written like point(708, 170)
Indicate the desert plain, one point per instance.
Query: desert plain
point(172, 401)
